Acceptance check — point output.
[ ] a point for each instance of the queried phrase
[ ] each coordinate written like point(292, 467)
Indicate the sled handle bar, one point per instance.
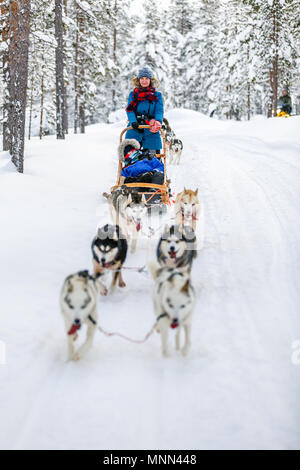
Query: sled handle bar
point(147, 127)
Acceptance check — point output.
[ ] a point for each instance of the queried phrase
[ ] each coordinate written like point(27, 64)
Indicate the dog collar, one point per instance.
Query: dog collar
point(162, 315)
point(92, 320)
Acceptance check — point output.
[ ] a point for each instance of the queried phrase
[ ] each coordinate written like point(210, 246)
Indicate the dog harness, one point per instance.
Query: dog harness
point(173, 325)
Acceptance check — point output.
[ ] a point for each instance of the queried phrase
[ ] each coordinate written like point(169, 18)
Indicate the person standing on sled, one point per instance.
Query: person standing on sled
point(145, 106)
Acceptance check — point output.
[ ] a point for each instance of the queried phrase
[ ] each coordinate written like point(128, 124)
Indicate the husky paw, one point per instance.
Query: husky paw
point(166, 353)
point(76, 357)
point(104, 291)
point(122, 284)
point(185, 350)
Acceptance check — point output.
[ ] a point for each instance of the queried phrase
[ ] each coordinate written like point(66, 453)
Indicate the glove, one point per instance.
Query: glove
point(135, 125)
point(155, 126)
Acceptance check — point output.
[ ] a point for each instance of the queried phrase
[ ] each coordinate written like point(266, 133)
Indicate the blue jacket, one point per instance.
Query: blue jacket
point(143, 166)
point(155, 109)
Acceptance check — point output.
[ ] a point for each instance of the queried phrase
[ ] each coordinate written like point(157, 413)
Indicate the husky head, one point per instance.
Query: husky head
point(176, 145)
point(78, 299)
point(173, 243)
point(106, 244)
point(136, 209)
point(188, 204)
point(175, 291)
point(176, 297)
point(170, 137)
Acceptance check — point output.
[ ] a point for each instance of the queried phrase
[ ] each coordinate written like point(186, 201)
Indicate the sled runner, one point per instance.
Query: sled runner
point(155, 194)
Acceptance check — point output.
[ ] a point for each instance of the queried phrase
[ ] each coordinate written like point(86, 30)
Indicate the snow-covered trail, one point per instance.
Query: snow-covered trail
point(238, 388)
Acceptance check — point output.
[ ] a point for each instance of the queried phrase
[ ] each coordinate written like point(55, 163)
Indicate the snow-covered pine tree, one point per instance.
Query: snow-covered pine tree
point(150, 47)
point(276, 45)
point(200, 57)
point(181, 21)
point(91, 57)
point(123, 29)
point(41, 80)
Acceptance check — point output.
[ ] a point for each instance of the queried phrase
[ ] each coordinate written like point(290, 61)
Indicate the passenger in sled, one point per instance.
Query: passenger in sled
point(138, 151)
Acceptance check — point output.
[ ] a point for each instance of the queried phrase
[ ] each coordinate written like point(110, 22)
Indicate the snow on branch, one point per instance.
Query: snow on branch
point(45, 38)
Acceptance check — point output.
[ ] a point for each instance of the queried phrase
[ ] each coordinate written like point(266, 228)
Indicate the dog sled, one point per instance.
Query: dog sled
point(155, 194)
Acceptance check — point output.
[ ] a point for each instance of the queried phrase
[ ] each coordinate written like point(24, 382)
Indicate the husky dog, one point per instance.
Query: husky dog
point(187, 208)
point(173, 299)
point(109, 249)
point(166, 126)
point(128, 208)
point(78, 301)
point(176, 147)
point(177, 247)
point(170, 136)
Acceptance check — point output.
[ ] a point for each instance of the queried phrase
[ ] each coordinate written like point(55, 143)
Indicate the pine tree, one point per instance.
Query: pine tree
point(41, 83)
point(181, 21)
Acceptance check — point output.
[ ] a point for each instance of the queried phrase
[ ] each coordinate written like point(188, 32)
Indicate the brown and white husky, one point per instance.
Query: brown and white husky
point(189, 213)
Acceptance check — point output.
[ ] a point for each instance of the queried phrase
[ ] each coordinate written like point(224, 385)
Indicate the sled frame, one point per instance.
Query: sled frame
point(160, 189)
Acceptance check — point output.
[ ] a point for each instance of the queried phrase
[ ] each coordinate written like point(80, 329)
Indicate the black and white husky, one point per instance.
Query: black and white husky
point(128, 209)
point(78, 301)
point(177, 247)
point(173, 299)
point(109, 250)
point(176, 147)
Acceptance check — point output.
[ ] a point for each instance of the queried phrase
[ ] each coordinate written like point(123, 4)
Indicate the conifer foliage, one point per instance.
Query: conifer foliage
point(226, 58)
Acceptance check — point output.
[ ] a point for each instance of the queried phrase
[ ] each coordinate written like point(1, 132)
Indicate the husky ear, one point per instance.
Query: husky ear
point(178, 197)
point(144, 199)
point(196, 192)
point(129, 199)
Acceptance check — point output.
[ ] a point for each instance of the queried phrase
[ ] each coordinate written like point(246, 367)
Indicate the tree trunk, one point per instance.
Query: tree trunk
point(76, 113)
point(31, 108)
point(275, 59)
point(18, 60)
point(4, 26)
point(42, 107)
point(114, 101)
point(66, 120)
point(60, 84)
point(81, 23)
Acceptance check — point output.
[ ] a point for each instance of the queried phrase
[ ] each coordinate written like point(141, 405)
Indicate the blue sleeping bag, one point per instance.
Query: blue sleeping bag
point(143, 166)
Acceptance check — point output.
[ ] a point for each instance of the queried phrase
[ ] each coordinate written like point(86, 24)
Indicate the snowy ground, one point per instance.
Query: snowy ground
point(238, 388)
